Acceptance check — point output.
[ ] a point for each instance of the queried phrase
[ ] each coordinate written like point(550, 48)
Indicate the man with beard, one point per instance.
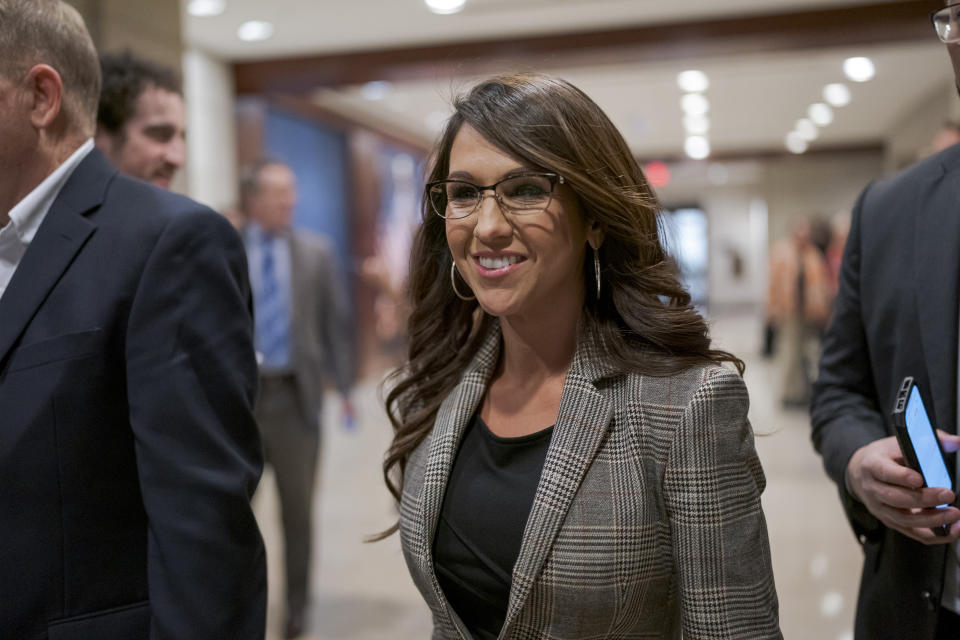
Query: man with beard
point(141, 121)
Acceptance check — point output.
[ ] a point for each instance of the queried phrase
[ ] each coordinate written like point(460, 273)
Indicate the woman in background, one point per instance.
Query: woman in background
point(570, 457)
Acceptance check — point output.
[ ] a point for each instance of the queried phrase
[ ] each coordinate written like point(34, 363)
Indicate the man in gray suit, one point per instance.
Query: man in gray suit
point(301, 334)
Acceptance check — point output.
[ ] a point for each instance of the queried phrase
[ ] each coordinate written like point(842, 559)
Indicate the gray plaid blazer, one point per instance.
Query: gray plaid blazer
point(646, 521)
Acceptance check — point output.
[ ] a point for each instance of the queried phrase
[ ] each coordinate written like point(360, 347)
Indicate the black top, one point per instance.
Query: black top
point(485, 508)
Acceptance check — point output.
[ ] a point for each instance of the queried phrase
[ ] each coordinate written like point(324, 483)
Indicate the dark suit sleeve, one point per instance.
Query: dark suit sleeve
point(335, 327)
point(844, 409)
point(191, 377)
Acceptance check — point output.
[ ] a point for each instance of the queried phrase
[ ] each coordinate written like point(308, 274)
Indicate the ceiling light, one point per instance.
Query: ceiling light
point(376, 90)
point(796, 143)
point(696, 125)
point(837, 94)
point(821, 114)
point(694, 104)
point(807, 130)
point(859, 69)
point(697, 147)
point(255, 30)
point(445, 7)
point(693, 81)
point(204, 8)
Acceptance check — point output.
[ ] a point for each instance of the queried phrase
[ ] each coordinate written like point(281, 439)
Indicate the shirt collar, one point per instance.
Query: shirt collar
point(27, 215)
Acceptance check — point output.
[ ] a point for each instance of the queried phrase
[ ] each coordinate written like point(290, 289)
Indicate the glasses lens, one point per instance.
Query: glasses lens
point(461, 197)
point(945, 22)
point(453, 199)
point(525, 194)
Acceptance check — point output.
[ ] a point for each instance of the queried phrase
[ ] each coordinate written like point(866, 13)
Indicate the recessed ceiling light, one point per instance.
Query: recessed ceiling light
point(807, 130)
point(693, 81)
point(204, 8)
point(376, 90)
point(694, 104)
point(445, 7)
point(796, 143)
point(821, 114)
point(255, 30)
point(859, 69)
point(837, 94)
point(697, 147)
point(696, 125)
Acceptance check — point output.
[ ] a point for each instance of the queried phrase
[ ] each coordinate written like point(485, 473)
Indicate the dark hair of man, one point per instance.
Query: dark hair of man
point(643, 316)
point(52, 32)
point(125, 77)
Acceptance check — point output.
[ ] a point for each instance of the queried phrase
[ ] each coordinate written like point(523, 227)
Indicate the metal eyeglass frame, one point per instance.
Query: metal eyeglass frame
point(554, 179)
point(933, 21)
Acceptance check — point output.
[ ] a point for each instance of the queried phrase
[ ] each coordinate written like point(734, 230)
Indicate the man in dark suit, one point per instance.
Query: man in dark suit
point(896, 315)
point(302, 335)
point(128, 449)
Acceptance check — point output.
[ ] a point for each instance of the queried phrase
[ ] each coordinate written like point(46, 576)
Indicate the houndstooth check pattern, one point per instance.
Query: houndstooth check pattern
point(646, 521)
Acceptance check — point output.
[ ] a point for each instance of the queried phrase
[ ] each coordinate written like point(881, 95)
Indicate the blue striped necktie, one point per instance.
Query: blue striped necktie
point(273, 317)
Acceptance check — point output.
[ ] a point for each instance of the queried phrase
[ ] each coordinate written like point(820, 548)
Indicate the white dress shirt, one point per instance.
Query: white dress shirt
point(28, 214)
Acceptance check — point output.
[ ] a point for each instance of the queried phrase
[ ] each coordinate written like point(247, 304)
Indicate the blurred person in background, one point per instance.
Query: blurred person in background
point(302, 336)
point(128, 448)
point(839, 230)
point(141, 120)
point(896, 315)
point(947, 136)
point(566, 437)
point(798, 305)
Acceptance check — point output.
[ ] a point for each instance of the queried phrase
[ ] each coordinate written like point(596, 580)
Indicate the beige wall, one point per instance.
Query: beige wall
point(909, 138)
point(756, 205)
point(150, 28)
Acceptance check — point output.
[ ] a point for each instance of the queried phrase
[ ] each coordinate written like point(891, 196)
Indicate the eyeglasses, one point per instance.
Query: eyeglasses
point(518, 194)
point(947, 23)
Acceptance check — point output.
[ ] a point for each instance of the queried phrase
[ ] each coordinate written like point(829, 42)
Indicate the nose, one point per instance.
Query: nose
point(176, 152)
point(492, 222)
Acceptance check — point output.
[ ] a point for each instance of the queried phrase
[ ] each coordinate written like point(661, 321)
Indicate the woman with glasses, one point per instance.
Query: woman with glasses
point(570, 457)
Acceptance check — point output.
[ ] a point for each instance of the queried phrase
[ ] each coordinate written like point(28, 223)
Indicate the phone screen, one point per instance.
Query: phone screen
point(924, 442)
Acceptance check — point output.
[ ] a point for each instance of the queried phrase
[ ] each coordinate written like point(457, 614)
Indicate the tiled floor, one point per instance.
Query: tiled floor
point(362, 591)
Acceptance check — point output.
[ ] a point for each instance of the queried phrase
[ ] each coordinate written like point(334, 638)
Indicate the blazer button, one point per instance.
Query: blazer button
point(930, 600)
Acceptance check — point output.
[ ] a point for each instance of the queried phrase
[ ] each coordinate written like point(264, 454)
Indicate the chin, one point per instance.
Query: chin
point(163, 183)
point(499, 304)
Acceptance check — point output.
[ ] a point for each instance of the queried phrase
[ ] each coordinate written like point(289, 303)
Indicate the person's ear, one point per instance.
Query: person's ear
point(595, 234)
point(45, 89)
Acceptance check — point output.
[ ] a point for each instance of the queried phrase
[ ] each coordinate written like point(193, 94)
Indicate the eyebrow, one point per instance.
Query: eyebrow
point(466, 175)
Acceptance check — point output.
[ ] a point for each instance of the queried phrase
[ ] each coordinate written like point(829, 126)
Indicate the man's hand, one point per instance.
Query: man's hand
point(894, 493)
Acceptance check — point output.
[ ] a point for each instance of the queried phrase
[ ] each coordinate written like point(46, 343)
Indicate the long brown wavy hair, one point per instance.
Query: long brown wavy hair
point(643, 315)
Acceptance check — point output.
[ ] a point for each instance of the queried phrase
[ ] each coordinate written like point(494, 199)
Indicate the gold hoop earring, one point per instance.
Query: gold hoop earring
point(453, 283)
point(596, 269)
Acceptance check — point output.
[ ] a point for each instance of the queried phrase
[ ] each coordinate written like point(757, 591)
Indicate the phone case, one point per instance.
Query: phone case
point(903, 437)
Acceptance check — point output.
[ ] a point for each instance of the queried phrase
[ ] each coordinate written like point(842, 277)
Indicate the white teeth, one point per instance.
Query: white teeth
point(498, 263)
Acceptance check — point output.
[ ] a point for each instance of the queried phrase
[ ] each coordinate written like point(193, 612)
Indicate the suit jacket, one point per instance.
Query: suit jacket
point(128, 450)
point(895, 316)
point(646, 520)
point(320, 331)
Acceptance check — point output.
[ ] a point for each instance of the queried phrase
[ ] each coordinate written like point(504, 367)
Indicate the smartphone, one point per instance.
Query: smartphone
point(918, 441)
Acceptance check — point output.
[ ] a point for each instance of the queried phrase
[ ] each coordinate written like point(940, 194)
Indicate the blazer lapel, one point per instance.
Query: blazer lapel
point(936, 274)
point(61, 235)
point(582, 423)
point(452, 419)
